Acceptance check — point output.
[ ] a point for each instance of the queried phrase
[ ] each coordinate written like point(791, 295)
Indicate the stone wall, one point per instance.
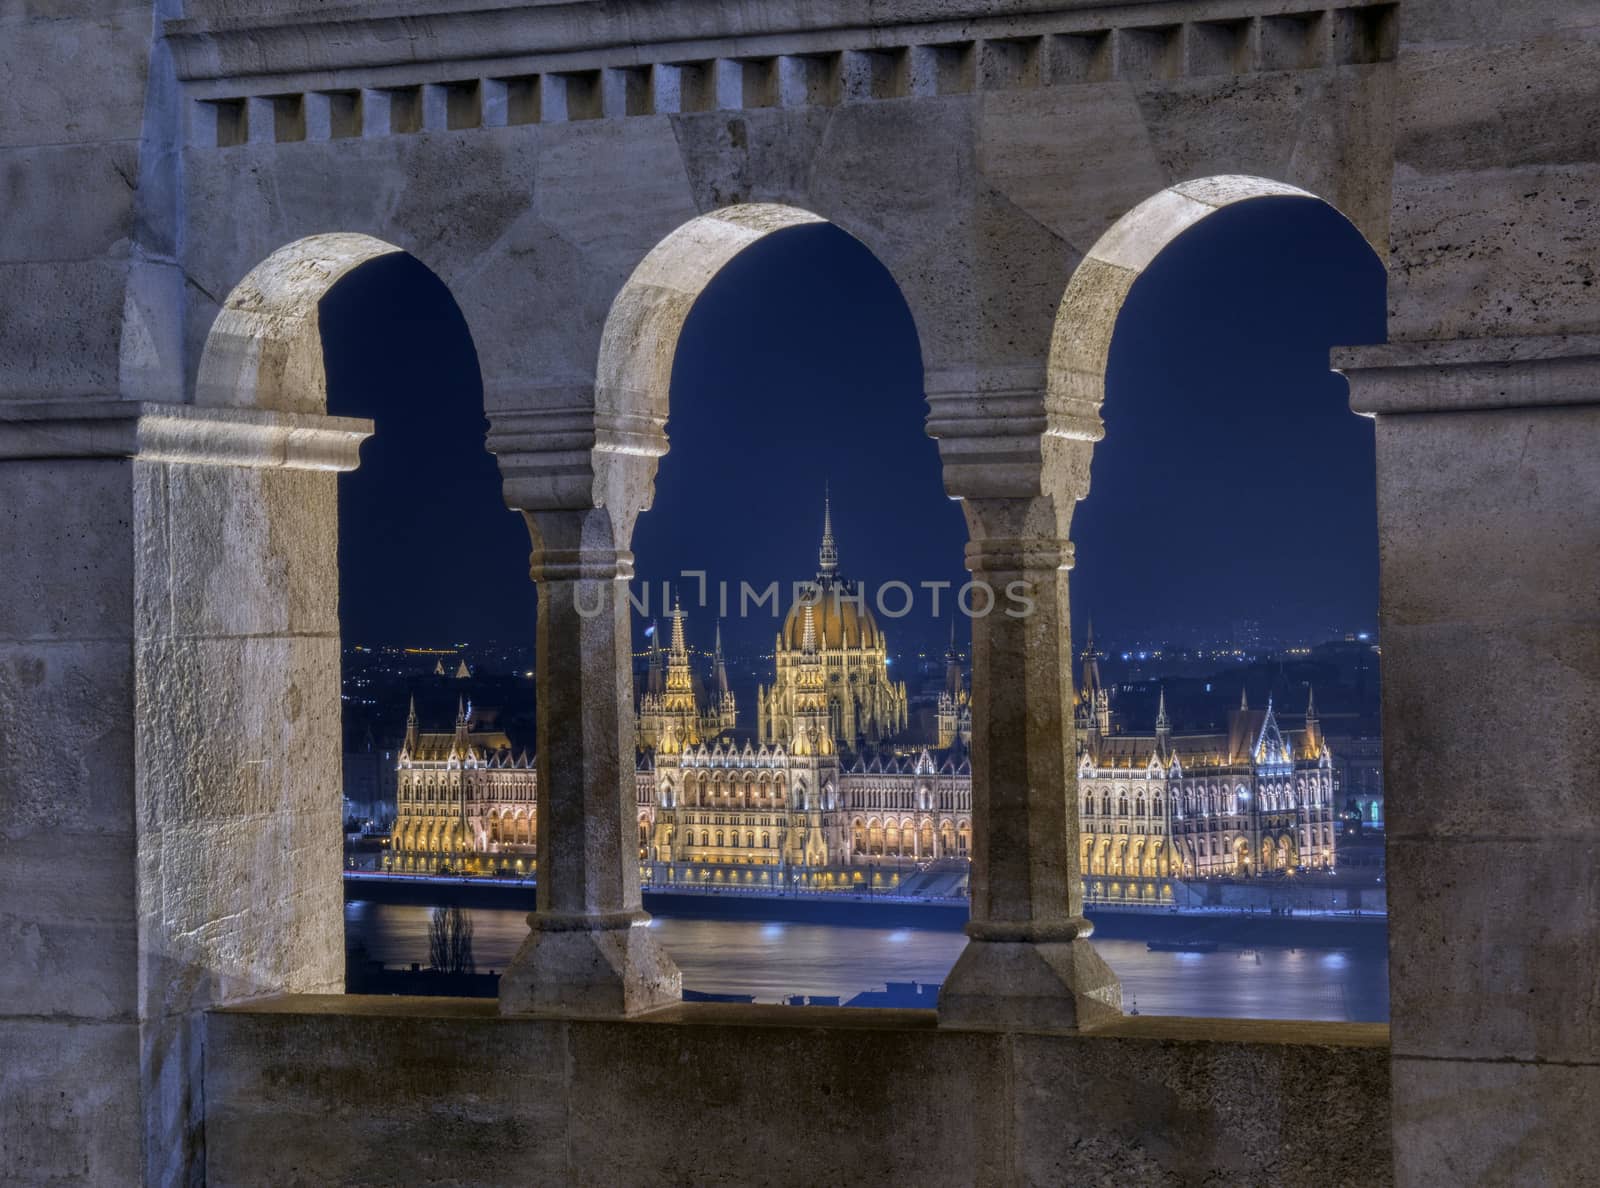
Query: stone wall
point(1488, 410)
point(436, 1091)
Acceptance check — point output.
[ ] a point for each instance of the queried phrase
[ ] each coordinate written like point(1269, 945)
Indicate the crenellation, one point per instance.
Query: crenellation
point(1292, 41)
point(402, 108)
point(1220, 46)
point(1364, 35)
point(1149, 54)
point(1005, 63)
point(874, 74)
point(1073, 58)
point(946, 69)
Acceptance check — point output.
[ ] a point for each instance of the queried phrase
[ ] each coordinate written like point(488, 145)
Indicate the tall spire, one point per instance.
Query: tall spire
point(1163, 723)
point(828, 554)
point(952, 664)
point(678, 647)
point(719, 669)
point(411, 725)
point(1244, 701)
point(1314, 741)
point(1089, 687)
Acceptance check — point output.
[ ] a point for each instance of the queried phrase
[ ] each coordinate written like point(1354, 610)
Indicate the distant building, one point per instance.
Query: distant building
point(861, 703)
point(1359, 768)
point(1252, 800)
point(370, 783)
point(830, 785)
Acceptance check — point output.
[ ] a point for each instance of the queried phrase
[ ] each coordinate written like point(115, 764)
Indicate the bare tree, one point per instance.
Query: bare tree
point(450, 941)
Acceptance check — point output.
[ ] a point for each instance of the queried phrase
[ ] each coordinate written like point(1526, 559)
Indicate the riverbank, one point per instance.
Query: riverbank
point(1317, 974)
point(1136, 922)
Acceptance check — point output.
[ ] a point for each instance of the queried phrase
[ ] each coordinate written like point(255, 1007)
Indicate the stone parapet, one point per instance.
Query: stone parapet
point(365, 1089)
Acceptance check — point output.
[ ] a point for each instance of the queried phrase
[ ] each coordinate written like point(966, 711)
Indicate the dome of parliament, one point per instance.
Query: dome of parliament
point(841, 621)
point(840, 614)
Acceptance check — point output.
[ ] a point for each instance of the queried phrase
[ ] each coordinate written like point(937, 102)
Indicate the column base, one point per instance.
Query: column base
point(593, 967)
point(1020, 985)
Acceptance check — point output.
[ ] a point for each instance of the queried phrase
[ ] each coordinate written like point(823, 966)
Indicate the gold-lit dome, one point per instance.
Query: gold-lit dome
point(840, 622)
point(841, 618)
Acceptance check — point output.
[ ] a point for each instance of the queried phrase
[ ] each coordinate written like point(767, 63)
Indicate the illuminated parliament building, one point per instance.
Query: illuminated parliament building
point(830, 787)
point(1251, 800)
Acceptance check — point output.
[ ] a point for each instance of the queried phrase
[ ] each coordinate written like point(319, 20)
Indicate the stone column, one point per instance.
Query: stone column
point(169, 760)
point(1489, 537)
point(589, 951)
point(1028, 962)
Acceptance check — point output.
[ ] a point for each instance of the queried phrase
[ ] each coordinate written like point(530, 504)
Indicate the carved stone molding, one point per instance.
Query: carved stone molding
point(1472, 375)
point(182, 434)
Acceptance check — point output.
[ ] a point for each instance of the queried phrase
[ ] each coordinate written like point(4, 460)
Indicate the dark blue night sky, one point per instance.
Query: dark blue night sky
point(1233, 481)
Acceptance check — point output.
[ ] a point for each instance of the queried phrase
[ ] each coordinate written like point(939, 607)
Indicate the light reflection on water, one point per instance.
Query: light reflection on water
point(771, 960)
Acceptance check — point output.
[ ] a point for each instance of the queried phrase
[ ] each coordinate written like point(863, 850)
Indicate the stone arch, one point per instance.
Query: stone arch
point(1086, 319)
point(264, 349)
point(638, 345)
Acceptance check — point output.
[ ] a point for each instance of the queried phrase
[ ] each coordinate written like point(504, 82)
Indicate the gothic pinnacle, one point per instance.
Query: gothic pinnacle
point(828, 554)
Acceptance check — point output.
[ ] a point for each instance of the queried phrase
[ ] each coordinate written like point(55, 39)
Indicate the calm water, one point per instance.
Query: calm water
point(773, 960)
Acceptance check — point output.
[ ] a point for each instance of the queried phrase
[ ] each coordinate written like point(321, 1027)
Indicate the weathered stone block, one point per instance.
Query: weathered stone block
point(1469, 512)
point(1497, 1122)
point(69, 941)
point(68, 571)
point(1187, 1109)
point(785, 1103)
point(61, 329)
point(436, 1091)
point(74, 774)
point(1491, 947)
point(76, 80)
point(68, 202)
point(1450, 772)
point(68, 1119)
point(237, 551)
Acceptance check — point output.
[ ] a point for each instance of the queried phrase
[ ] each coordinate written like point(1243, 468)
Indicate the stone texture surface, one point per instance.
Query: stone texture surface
point(68, 1119)
point(1542, 1122)
point(432, 1091)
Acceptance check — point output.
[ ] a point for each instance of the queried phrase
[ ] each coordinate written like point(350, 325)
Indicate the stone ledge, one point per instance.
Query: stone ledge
point(180, 433)
point(404, 1088)
point(1472, 375)
point(1161, 1028)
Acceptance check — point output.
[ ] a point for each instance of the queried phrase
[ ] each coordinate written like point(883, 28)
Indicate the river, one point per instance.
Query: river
point(773, 960)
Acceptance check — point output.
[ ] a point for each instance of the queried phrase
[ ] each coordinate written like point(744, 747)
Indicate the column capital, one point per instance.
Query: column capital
point(1003, 433)
point(572, 455)
point(180, 433)
point(1472, 374)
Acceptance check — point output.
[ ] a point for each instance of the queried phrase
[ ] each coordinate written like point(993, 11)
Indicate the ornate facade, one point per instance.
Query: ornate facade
point(864, 706)
point(823, 786)
point(461, 795)
point(812, 793)
point(1254, 800)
